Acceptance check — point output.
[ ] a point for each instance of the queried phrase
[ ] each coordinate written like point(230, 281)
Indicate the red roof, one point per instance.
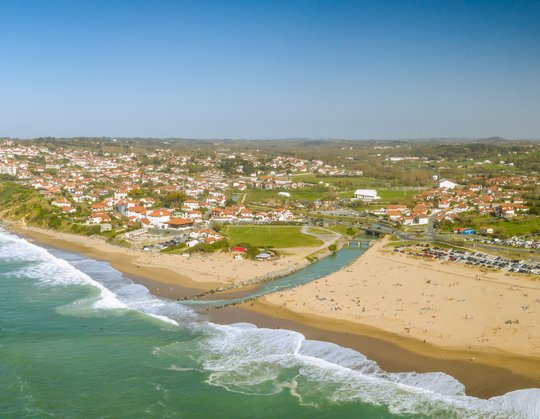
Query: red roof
point(160, 213)
point(238, 249)
point(179, 221)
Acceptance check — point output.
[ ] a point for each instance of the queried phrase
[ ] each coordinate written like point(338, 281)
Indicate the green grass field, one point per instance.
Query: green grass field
point(262, 195)
point(526, 226)
point(269, 236)
point(396, 195)
point(348, 182)
point(505, 228)
point(317, 230)
point(387, 195)
point(340, 229)
point(312, 194)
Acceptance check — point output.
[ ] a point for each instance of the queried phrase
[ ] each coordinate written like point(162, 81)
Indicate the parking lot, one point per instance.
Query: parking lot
point(481, 260)
point(520, 242)
point(175, 241)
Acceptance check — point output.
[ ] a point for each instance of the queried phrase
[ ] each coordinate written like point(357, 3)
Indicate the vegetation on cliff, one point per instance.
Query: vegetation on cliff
point(22, 204)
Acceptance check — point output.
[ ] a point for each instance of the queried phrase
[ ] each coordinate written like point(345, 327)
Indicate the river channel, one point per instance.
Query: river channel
point(316, 270)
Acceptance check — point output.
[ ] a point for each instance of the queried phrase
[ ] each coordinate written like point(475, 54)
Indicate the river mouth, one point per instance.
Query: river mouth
point(312, 272)
point(132, 330)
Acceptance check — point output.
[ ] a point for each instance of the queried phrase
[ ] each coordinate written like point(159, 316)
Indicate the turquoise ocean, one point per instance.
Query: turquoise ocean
point(80, 340)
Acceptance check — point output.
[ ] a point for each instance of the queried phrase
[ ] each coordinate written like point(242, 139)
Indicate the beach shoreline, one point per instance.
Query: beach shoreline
point(188, 276)
point(404, 352)
point(445, 304)
point(493, 374)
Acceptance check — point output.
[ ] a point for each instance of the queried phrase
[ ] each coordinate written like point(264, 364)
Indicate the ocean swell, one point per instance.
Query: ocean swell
point(256, 361)
point(115, 291)
point(251, 360)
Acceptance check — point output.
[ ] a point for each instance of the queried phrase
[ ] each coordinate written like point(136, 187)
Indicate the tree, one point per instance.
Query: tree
point(136, 193)
point(351, 231)
point(173, 199)
point(332, 248)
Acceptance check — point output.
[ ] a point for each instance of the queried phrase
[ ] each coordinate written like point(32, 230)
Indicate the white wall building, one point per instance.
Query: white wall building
point(8, 170)
point(159, 218)
point(366, 194)
point(444, 183)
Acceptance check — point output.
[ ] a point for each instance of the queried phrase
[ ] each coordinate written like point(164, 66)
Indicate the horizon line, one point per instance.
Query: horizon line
point(106, 137)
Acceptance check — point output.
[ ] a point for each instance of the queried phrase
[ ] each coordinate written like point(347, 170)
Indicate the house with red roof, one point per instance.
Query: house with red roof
point(159, 217)
point(179, 223)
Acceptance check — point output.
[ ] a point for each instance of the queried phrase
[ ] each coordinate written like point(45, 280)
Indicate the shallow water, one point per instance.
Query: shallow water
point(319, 269)
point(77, 339)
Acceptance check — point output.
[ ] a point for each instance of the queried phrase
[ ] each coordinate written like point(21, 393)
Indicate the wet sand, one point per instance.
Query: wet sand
point(480, 380)
point(479, 370)
point(197, 272)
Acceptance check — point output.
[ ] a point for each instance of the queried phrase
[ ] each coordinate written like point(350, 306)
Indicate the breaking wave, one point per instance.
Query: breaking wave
point(251, 360)
point(115, 291)
point(256, 361)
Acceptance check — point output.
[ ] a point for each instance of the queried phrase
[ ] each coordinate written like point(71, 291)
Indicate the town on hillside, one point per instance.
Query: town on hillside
point(156, 197)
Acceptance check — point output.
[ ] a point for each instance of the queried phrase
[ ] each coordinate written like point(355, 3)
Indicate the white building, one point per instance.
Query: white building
point(444, 183)
point(159, 218)
point(8, 170)
point(282, 215)
point(191, 204)
point(366, 194)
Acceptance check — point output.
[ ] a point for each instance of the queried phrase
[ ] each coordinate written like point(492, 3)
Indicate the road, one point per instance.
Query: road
point(432, 235)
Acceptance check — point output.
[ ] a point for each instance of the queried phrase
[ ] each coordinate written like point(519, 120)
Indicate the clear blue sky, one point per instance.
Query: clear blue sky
point(272, 69)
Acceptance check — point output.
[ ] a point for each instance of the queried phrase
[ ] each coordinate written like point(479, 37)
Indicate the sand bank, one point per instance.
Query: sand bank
point(446, 310)
point(495, 375)
point(393, 329)
point(197, 272)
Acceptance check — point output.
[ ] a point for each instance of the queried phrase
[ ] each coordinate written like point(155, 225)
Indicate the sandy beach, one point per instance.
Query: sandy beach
point(443, 310)
point(197, 272)
point(446, 304)
point(404, 312)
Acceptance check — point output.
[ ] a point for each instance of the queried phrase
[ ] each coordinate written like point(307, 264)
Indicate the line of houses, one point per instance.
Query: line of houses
point(499, 197)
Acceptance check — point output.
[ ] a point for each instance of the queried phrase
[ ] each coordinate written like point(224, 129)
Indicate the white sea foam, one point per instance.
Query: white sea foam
point(246, 359)
point(250, 360)
point(115, 292)
point(50, 270)
point(174, 367)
